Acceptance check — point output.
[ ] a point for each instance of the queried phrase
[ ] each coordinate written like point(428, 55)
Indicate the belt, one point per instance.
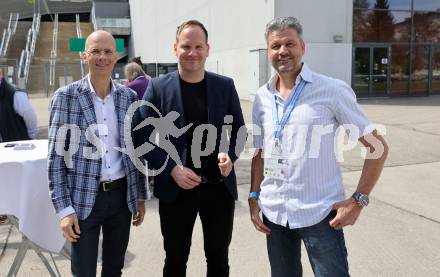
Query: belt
point(113, 184)
point(215, 181)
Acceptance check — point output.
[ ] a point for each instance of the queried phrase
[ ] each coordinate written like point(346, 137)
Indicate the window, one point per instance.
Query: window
point(436, 71)
point(419, 70)
point(427, 5)
point(404, 5)
point(399, 69)
point(381, 26)
point(427, 26)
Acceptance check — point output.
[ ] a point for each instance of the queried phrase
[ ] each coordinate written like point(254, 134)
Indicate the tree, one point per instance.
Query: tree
point(382, 4)
point(381, 22)
point(360, 4)
point(360, 25)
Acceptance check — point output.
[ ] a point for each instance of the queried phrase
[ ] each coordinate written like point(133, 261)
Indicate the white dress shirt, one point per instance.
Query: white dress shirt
point(111, 166)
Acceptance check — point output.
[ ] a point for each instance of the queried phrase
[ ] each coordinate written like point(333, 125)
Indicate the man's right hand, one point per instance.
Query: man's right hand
point(185, 177)
point(255, 217)
point(70, 227)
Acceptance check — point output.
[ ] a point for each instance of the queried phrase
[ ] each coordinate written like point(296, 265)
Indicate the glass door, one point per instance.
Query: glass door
point(371, 70)
point(361, 74)
point(380, 72)
point(435, 70)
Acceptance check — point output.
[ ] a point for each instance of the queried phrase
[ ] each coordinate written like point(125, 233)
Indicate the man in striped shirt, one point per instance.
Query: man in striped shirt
point(296, 181)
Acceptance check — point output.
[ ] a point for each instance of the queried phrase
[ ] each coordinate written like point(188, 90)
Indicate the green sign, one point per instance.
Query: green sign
point(79, 44)
point(120, 45)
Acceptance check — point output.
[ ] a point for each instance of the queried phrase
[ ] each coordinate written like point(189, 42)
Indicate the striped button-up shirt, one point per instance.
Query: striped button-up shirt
point(313, 180)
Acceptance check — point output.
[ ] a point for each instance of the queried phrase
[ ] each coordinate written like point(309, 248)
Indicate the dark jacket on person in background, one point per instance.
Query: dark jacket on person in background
point(12, 125)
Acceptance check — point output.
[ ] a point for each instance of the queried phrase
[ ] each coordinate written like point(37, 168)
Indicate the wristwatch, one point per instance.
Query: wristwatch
point(361, 199)
point(254, 194)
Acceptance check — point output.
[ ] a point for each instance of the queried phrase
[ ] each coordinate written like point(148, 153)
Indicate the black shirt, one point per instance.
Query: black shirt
point(195, 107)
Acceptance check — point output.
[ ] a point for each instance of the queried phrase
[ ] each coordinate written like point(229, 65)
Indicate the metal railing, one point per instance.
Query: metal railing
point(8, 33)
point(53, 52)
point(93, 18)
point(23, 58)
point(64, 75)
point(79, 35)
point(28, 52)
point(3, 42)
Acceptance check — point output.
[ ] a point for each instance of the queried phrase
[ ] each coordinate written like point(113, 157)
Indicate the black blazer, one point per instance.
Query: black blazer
point(165, 94)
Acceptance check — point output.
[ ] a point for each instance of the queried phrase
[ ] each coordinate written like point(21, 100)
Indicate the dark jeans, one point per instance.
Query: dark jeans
point(215, 206)
point(110, 213)
point(325, 247)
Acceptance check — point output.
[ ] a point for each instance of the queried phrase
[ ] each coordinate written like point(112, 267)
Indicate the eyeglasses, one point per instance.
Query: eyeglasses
point(98, 52)
point(203, 175)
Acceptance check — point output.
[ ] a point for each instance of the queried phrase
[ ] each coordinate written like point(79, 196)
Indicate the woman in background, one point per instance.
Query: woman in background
point(136, 77)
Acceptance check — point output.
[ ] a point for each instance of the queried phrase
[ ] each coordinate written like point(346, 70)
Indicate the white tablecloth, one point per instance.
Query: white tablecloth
point(24, 193)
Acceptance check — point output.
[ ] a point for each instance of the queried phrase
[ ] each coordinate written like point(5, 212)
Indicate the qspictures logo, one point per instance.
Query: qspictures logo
point(299, 141)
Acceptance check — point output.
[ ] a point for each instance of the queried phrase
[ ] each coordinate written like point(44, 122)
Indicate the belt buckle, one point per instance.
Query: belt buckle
point(104, 185)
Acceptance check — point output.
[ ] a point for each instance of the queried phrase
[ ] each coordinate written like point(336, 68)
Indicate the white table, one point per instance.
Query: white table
point(24, 193)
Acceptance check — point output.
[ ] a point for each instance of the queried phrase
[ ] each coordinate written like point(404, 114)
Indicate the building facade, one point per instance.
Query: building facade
point(380, 47)
point(396, 47)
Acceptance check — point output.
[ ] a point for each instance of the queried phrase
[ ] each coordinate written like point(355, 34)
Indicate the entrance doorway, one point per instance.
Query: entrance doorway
point(435, 70)
point(371, 70)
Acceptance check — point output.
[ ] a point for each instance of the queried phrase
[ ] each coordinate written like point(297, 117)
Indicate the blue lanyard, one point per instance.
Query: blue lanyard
point(279, 125)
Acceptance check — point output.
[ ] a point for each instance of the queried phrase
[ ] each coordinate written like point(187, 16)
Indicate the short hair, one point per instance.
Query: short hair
point(133, 70)
point(282, 23)
point(136, 60)
point(188, 23)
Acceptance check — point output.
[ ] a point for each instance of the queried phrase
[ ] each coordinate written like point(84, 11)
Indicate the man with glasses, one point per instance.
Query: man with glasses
point(93, 185)
point(189, 186)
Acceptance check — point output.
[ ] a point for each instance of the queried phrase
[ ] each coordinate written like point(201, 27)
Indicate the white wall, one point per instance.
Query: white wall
point(331, 59)
point(234, 27)
point(321, 20)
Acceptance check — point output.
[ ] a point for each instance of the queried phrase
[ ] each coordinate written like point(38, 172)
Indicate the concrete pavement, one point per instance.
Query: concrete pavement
point(397, 235)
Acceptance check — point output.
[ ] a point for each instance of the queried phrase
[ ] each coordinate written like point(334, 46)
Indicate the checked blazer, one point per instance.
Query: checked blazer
point(75, 182)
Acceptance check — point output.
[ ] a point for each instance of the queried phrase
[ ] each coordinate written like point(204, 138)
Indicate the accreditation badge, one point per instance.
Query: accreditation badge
point(275, 165)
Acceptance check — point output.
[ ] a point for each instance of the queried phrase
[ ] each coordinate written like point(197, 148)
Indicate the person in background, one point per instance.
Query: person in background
point(136, 79)
point(18, 120)
point(139, 62)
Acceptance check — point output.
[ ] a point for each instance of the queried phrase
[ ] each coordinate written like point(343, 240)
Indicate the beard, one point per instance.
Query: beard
point(289, 66)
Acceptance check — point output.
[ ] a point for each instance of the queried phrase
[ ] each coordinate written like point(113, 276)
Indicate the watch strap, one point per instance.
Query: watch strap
point(254, 194)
